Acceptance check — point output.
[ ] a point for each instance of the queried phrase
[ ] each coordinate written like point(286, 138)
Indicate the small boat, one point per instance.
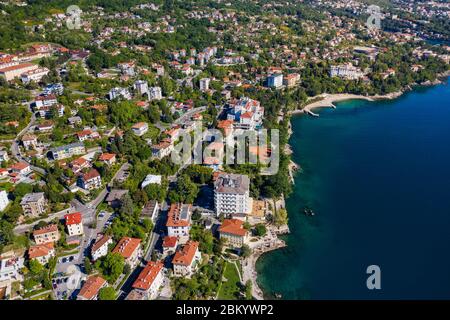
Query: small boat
point(278, 295)
point(308, 211)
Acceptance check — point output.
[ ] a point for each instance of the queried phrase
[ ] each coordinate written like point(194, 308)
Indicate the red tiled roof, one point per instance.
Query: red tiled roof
point(19, 166)
point(40, 250)
point(106, 156)
point(73, 218)
point(169, 242)
point(148, 275)
point(91, 287)
point(186, 254)
point(91, 175)
point(233, 226)
point(47, 229)
point(173, 217)
point(17, 67)
point(127, 246)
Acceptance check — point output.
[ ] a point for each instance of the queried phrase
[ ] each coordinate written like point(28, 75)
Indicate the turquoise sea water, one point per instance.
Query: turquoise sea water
point(377, 174)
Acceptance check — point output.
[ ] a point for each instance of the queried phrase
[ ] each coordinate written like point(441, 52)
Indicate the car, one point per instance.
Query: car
point(64, 260)
point(101, 214)
point(71, 258)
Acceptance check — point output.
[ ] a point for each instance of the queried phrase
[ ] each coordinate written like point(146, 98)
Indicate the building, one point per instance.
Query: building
point(107, 158)
point(141, 87)
point(169, 245)
point(116, 93)
point(150, 279)
point(90, 180)
point(140, 128)
point(34, 204)
point(232, 230)
point(68, 151)
point(232, 194)
point(151, 179)
point(179, 221)
point(204, 84)
point(35, 75)
point(3, 156)
point(155, 93)
point(29, 141)
point(11, 264)
point(44, 101)
point(162, 149)
point(42, 252)
point(74, 224)
point(246, 114)
point(186, 260)
point(291, 80)
point(91, 288)
point(21, 168)
point(15, 71)
point(100, 247)
point(275, 80)
point(151, 210)
point(4, 201)
point(346, 71)
point(47, 234)
point(87, 134)
point(130, 249)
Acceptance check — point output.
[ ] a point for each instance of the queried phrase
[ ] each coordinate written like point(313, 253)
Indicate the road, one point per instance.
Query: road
point(186, 116)
point(20, 229)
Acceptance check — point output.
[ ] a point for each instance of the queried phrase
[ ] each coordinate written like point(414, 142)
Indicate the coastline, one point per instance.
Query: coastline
point(326, 101)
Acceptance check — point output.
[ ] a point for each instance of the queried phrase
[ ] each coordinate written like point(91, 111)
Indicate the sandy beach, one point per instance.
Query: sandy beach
point(328, 100)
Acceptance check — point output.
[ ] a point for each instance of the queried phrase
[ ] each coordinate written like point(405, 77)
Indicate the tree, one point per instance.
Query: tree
point(87, 265)
point(107, 293)
point(260, 230)
point(245, 251)
point(35, 267)
point(113, 266)
point(280, 218)
point(248, 290)
point(185, 190)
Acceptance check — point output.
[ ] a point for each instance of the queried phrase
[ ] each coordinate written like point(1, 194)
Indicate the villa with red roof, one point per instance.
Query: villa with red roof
point(42, 252)
point(108, 158)
point(130, 249)
point(186, 260)
point(169, 245)
point(21, 168)
point(47, 234)
point(91, 288)
point(233, 231)
point(150, 279)
point(90, 180)
point(74, 224)
point(179, 221)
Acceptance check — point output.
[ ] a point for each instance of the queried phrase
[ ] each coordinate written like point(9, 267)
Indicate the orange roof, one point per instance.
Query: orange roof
point(225, 124)
point(19, 166)
point(247, 115)
point(17, 67)
point(127, 246)
point(79, 162)
point(73, 218)
point(148, 275)
point(233, 226)
point(91, 287)
point(169, 242)
point(174, 216)
point(47, 229)
point(40, 250)
point(139, 125)
point(91, 175)
point(106, 156)
point(186, 254)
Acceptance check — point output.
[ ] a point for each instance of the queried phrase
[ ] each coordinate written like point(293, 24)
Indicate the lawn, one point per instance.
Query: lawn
point(230, 288)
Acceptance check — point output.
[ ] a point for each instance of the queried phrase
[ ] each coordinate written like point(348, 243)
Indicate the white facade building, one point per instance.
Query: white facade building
point(232, 194)
point(3, 200)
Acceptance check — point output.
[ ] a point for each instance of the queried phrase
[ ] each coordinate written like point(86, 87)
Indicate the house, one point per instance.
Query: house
point(74, 224)
point(140, 128)
point(150, 279)
point(232, 194)
point(100, 247)
point(155, 93)
point(130, 249)
point(29, 141)
point(73, 121)
point(87, 134)
point(232, 230)
point(291, 80)
point(169, 245)
point(275, 80)
point(67, 151)
point(151, 210)
point(47, 234)
point(45, 126)
point(79, 164)
point(185, 260)
point(34, 204)
point(151, 179)
point(21, 168)
point(15, 71)
point(45, 101)
point(90, 180)
point(34, 75)
point(162, 149)
point(107, 158)
point(204, 84)
point(114, 198)
point(42, 252)
point(91, 288)
point(4, 201)
point(246, 113)
point(3, 156)
point(179, 221)
point(11, 264)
